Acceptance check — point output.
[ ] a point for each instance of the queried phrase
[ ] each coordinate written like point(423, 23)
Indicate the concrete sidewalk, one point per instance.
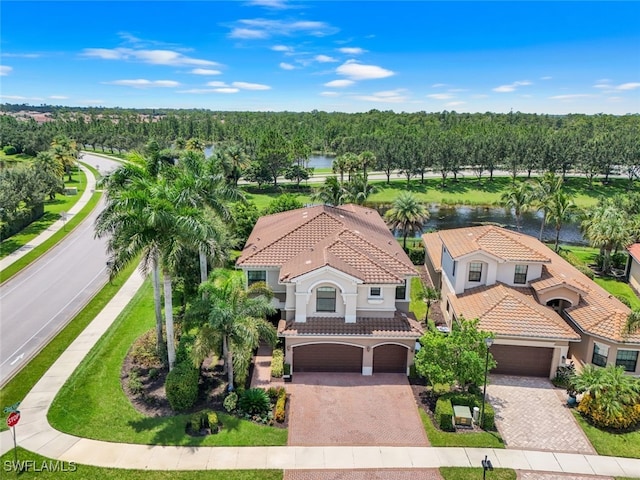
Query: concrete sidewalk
point(35, 434)
point(57, 225)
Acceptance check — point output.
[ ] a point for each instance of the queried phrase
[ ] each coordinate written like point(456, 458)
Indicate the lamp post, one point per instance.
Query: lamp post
point(488, 342)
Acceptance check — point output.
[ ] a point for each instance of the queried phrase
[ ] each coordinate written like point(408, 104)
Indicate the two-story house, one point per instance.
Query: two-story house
point(342, 283)
point(542, 309)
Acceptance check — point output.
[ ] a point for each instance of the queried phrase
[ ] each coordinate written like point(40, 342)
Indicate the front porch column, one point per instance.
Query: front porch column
point(350, 304)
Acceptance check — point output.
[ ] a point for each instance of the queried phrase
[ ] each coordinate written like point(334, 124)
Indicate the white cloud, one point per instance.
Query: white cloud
point(154, 57)
point(440, 96)
point(277, 4)
point(546, 77)
point(21, 55)
point(227, 90)
point(438, 85)
point(58, 97)
point(282, 48)
point(358, 71)
point(570, 96)
point(511, 87)
point(352, 50)
point(329, 94)
point(205, 71)
point(13, 97)
point(286, 66)
point(197, 90)
point(628, 86)
point(602, 85)
point(144, 83)
point(324, 59)
point(339, 83)
point(5, 70)
point(257, 28)
point(216, 84)
point(250, 86)
point(454, 104)
point(387, 96)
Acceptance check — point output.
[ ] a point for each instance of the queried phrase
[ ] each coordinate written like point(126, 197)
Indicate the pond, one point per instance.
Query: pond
point(315, 161)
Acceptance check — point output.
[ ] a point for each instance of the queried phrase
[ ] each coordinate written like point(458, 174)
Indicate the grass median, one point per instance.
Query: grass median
point(92, 403)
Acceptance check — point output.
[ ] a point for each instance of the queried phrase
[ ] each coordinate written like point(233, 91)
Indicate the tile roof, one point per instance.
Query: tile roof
point(433, 247)
point(501, 243)
point(400, 326)
point(634, 251)
point(598, 312)
point(511, 311)
point(349, 238)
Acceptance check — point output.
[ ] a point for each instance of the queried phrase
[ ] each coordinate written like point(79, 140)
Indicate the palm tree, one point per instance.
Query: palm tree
point(358, 190)
point(65, 151)
point(543, 191)
point(430, 295)
point(367, 159)
point(51, 170)
point(233, 161)
point(561, 210)
point(330, 193)
point(518, 197)
point(633, 322)
point(607, 227)
point(195, 144)
point(407, 215)
point(340, 166)
point(351, 162)
point(232, 321)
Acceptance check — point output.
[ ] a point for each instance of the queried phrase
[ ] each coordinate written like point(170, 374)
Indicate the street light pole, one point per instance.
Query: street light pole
point(488, 342)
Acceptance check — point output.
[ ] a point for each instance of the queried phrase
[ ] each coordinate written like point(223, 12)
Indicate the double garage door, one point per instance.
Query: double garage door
point(329, 357)
point(517, 360)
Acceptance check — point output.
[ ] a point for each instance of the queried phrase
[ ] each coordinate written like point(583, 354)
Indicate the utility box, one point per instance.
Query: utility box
point(462, 416)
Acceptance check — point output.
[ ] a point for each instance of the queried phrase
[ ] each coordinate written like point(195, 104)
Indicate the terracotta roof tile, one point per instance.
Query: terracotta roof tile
point(433, 247)
point(634, 251)
point(398, 327)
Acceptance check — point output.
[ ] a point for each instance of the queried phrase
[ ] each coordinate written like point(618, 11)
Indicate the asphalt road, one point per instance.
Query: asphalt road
point(40, 300)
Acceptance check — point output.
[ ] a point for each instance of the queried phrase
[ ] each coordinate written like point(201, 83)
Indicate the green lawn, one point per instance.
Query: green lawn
point(85, 472)
point(417, 305)
point(19, 386)
point(52, 211)
point(460, 473)
point(614, 444)
point(438, 438)
point(619, 289)
point(102, 411)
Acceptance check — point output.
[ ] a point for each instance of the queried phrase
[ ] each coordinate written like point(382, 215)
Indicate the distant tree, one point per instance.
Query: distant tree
point(543, 191)
point(358, 190)
point(273, 155)
point(562, 209)
point(406, 214)
point(518, 196)
point(283, 203)
point(330, 193)
point(297, 174)
point(245, 216)
point(51, 171)
point(607, 227)
point(454, 359)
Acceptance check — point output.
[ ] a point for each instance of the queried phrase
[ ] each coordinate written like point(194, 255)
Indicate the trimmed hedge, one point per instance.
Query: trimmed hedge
point(444, 409)
point(281, 406)
point(182, 386)
point(444, 414)
point(277, 363)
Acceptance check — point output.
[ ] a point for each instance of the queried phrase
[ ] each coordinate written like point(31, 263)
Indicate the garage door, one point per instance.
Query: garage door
point(390, 359)
point(529, 361)
point(327, 357)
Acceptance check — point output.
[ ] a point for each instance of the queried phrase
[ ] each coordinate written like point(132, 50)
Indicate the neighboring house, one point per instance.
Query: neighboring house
point(633, 267)
point(541, 309)
point(342, 283)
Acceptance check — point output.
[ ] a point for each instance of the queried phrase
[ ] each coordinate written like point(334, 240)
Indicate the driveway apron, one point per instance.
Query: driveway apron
point(351, 409)
point(532, 414)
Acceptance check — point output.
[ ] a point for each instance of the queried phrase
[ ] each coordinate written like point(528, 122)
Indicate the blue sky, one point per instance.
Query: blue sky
point(538, 57)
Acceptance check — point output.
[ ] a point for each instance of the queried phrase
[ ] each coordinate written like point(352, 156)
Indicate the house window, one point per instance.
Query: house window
point(255, 276)
point(453, 273)
point(600, 354)
point(627, 359)
point(475, 271)
point(326, 299)
point(375, 292)
point(521, 274)
point(401, 291)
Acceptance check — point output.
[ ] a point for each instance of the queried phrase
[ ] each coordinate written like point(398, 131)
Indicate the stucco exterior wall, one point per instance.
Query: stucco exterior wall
point(506, 273)
point(561, 293)
point(634, 274)
point(584, 350)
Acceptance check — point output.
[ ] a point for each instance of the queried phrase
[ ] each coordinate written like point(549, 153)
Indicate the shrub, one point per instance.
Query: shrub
point(416, 255)
point(144, 352)
point(277, 364)
point(153, 373)
point(182, 386)
point(213, 420)
point(628, 416)
point(468, 400)
point(287, 369)
point(281, 406)
point(185, 345)
point(9, 150)
point(619, 260)
point(134, 383)
point(230, 402)
point(624, 300)
point(254, 401)
point(586, 271)
point(444, 414)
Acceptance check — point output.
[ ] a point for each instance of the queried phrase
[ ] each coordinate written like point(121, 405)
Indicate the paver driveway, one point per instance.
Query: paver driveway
point(351, 409)
point(532, 414)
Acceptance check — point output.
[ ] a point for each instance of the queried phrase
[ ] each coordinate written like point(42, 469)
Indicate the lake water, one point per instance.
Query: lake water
point(315, 161)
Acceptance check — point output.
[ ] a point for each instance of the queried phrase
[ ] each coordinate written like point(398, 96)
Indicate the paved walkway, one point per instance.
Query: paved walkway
point(57, 225)
point(35, 434)
point(532, 414)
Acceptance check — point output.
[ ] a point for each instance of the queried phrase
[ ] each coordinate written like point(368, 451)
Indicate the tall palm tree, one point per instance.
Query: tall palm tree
point(543, 191)
point(65, 151)
point(561, 209)
point(331, 192)
point(518, 197)
point(407, 214)
point(233, 161)
point(358, 190)
point(340, 166)
point(51, 171)
point(367, 159)
point(607, 227)
point(232, 321)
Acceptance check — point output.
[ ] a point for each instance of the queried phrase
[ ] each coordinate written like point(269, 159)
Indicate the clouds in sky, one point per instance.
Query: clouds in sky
point(144, 83)
point(339, 83)
point(512, 87)
point(354, 70)
point(398, 95)
point(205, 71)
point(286, 66)
point(155, 57)
point(352, 50)
point(5, 70)
point(262, 28)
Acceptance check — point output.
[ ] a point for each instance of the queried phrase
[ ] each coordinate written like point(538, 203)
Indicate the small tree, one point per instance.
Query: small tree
point(457, 358)
point(430, 295)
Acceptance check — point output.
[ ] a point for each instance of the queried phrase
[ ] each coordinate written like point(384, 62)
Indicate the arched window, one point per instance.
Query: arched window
point(326, 299)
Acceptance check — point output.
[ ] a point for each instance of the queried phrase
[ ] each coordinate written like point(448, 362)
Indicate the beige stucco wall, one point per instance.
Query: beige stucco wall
point(367, 344)
point(634, 274)
point(562, 293)
point(584, 352)
point(506, 272)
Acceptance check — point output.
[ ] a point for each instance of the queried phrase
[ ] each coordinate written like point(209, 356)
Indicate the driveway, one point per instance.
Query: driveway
point(351, 409)
point(532, 414)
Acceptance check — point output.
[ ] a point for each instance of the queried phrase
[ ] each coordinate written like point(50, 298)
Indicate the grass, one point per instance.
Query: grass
point(102, 411)
point(619, 289)
point(465, 473)
point(24, 381)
point(438, 438)
point(613, 444)
point(17, 158)
point(86, 472)
point(52, 211)
point(417, 305)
